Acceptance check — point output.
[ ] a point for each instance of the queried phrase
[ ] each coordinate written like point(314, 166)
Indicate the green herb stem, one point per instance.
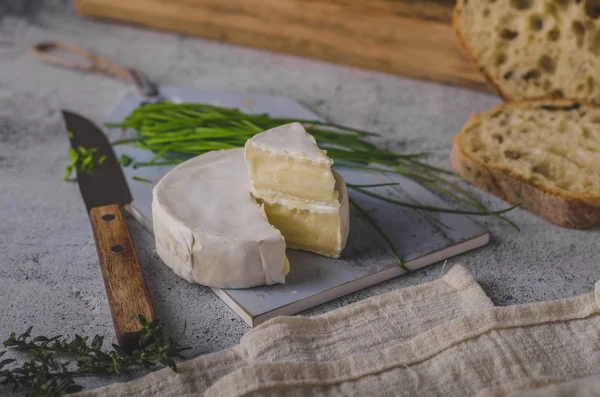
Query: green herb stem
point(186, 130)
point(57, 361)
point(430, 208)
point(372, 222)
point(140, 179)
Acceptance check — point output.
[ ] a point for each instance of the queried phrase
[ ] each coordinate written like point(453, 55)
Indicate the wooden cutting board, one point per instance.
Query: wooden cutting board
point(412, 38)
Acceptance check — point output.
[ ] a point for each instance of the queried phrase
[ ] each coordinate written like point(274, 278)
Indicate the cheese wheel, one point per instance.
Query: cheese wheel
point(210, 230)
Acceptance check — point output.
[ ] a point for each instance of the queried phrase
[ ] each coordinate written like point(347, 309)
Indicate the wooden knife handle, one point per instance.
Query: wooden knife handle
point(127, 292)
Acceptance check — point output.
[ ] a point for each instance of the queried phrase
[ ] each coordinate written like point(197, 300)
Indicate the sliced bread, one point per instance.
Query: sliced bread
point(534, 48)
point(544, 155)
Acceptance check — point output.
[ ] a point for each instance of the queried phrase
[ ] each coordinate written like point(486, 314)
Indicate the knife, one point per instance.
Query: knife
point(105, 192)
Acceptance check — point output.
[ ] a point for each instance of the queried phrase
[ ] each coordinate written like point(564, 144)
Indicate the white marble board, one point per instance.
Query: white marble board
point(421, 238)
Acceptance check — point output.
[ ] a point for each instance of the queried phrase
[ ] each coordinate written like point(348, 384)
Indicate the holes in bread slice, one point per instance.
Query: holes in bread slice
point(531, 74)
point(554, 146)
point(521, 4)
point(594, 43)
point(536, 23)
point(500, 59)
point(508, 34)
point(512, 154)
point(579, 30)
point(554, 34)
point(592, 8)
point(535, 48)
point(590, 85)
point(547, 64)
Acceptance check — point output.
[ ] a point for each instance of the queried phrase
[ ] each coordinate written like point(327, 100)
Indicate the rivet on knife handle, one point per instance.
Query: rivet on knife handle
point(127, 292)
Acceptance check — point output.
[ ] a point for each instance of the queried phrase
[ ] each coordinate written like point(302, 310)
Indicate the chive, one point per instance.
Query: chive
point(158, 163)
point(430, 208)
point(123, 141)
point(385, 237)
point(140, 179)
point(174, 132)
point(83, 160)
point(350, 185)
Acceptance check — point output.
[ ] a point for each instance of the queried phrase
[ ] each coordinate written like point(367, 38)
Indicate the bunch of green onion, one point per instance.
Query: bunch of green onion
point(176, 132)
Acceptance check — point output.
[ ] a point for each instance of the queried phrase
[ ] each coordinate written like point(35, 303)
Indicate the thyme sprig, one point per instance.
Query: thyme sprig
point(57, 361)
point(176, 132)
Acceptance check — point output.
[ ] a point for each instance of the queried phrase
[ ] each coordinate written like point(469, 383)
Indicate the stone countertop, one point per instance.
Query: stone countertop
point(49, 272)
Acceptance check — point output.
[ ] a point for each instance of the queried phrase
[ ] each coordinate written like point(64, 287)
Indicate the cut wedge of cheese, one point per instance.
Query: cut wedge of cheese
point(320, 228)
point(286, 160)
point(302, 197)
point(214, 228)
point(210, 230)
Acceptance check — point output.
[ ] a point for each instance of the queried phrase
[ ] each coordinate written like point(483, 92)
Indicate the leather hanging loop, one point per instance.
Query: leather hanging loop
point(91, 63)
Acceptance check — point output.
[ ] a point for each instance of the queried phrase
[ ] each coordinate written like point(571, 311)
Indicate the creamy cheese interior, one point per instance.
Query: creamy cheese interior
point(322, 229)
point(287, 160)
point(294, 181)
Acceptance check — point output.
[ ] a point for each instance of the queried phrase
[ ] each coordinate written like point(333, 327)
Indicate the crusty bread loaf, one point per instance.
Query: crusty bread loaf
point(532, 49)
point(543, 154)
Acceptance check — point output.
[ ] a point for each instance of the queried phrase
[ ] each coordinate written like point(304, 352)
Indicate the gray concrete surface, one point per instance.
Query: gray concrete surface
point(49, 274)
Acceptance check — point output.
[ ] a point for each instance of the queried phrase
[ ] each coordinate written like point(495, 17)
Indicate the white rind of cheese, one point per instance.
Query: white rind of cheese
point(293, 140)
point(210, 230)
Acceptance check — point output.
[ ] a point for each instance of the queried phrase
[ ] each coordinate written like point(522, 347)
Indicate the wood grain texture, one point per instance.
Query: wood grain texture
point(127, 292)
point(406, 37)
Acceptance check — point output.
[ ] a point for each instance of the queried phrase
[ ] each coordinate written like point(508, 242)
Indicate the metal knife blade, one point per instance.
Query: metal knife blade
point(106, 184)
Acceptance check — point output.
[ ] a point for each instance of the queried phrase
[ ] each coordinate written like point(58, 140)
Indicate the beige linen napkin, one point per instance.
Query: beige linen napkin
point(442, 338)
point(363, 326)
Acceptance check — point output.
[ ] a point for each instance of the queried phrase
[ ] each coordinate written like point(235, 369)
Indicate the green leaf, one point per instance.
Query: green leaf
point(68, 173)
point(25, 334)
point(142, 320)
point(118, 349)
point(73, 155)
point(125, 160)
point(97, 342)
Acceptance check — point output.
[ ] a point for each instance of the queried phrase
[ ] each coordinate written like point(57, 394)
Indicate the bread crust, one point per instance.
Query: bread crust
point(550, 204)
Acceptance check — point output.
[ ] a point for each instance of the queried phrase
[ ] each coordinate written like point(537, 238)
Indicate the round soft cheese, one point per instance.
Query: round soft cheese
point(210, 230)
